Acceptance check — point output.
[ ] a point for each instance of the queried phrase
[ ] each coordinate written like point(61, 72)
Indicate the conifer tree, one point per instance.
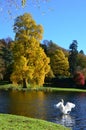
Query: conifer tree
point(73, 53)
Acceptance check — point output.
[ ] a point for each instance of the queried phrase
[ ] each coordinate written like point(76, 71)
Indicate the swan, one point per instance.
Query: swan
point(65, 109)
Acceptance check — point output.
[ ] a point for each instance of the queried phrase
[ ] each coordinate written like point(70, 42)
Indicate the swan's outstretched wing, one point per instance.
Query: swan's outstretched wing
point(69, 106)
point(58, 105)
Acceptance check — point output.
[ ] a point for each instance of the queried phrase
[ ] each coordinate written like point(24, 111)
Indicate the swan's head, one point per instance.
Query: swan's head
point(62, 100)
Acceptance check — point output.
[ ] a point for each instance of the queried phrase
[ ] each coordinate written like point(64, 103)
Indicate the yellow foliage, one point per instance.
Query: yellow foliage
point(60, 64)
point(30, 61)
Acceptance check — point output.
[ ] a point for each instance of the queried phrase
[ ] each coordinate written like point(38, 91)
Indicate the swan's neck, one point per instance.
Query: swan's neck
point(62, 101)
point(62, 106)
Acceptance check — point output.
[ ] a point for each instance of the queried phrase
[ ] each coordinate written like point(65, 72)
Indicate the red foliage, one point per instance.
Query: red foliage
point(79, 78)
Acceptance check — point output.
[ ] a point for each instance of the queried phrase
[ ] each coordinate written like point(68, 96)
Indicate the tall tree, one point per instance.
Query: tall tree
point(5, 58)
point(60, 64)
point(30, 61)
point(2, 63)
point(73, 56)
point(81, 60)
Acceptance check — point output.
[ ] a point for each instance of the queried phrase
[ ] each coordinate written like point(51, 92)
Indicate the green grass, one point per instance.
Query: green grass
point(69, 89)
point(13, 122)
point(50, 89)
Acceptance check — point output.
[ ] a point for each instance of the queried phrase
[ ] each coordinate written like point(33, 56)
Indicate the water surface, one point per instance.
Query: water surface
point(41, 105)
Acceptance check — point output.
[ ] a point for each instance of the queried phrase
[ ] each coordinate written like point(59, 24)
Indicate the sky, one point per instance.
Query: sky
point(63, 20)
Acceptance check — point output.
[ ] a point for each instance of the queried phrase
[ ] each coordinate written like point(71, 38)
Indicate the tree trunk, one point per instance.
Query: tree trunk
point(24, 83)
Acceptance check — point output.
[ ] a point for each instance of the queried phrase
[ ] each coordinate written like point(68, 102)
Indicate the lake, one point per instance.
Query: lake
point(41, 105)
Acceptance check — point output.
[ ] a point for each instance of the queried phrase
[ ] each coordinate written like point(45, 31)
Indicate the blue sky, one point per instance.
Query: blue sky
point(63, 21)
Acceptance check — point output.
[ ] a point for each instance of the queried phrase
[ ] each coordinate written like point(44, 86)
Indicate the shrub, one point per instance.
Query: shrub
point(79, 78)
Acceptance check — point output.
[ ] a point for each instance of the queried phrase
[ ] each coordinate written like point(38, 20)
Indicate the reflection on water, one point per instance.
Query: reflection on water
point(42, 105)
point(66, 120)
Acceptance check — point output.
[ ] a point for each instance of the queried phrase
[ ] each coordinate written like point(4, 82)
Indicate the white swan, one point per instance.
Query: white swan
point(65, 109)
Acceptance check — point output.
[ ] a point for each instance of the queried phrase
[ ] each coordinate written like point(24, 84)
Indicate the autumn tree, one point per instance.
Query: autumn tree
point(49, 48)
point(59, 64)
point(30, 61)
point(81, 63)
point(79, 78)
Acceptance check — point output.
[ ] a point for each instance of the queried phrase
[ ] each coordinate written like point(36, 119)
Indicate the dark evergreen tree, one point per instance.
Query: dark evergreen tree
point(73, 56)
point(6, 58)
point(81, 52)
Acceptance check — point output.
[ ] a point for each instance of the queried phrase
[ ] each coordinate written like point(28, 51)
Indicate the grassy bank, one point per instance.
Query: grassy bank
point(50, 89)
point(13, 122)
point(69, 89)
